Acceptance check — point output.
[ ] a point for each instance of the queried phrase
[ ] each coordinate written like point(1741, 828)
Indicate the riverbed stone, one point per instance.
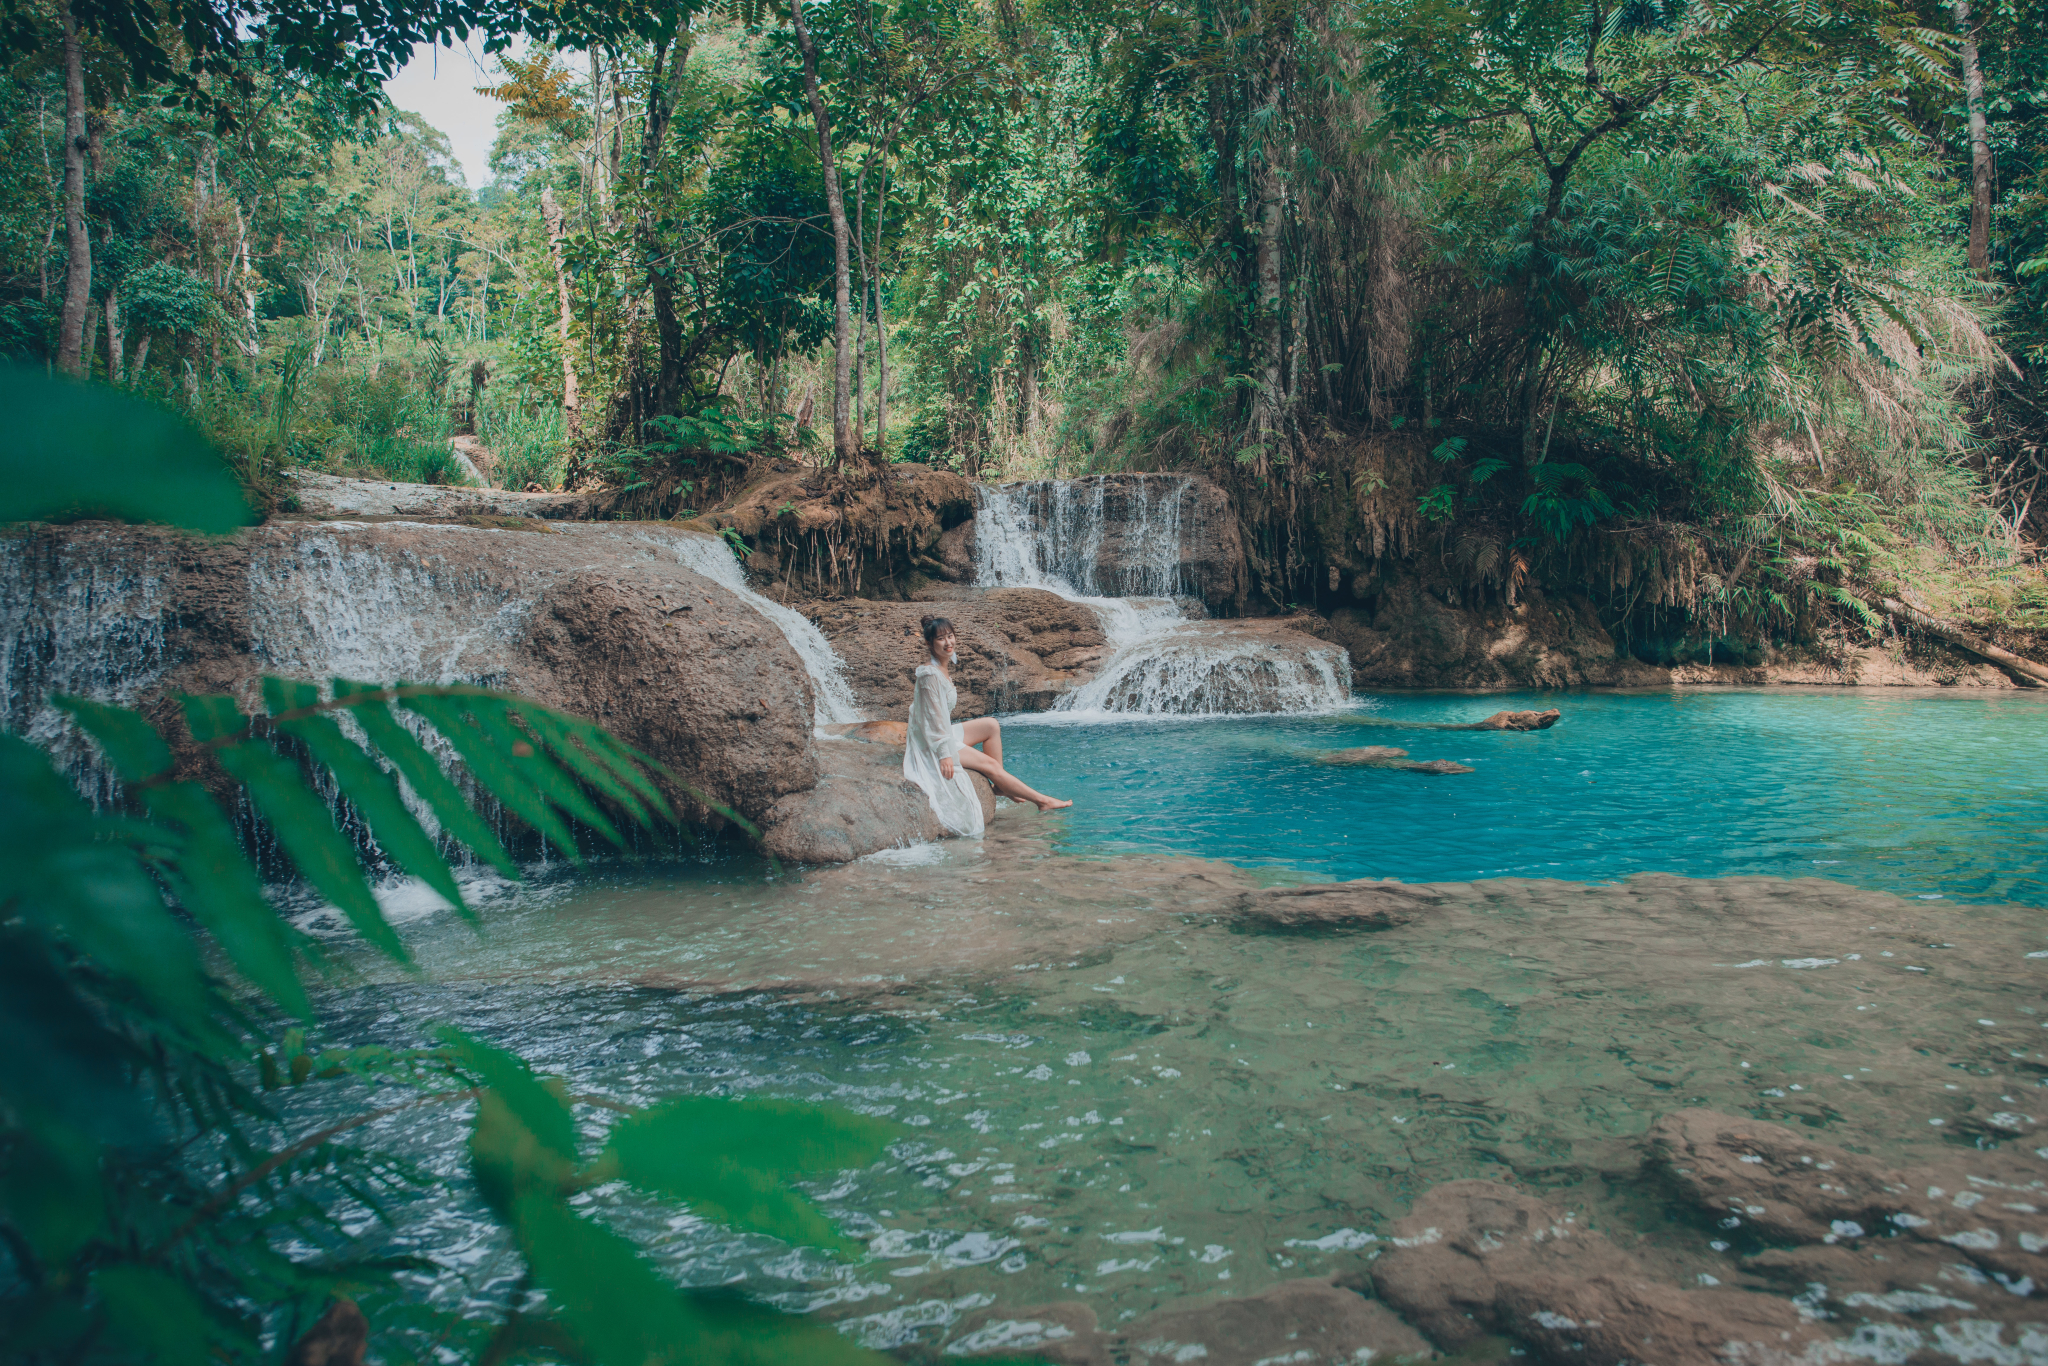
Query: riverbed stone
point(1478, 1258)
point(1386, 756)
point(1307, 1321)
point(861, 803)
point(1335, 907)
point(1957, 1247)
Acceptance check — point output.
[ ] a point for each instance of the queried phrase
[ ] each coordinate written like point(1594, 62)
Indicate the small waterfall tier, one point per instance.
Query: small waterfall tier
point(1142, 551)
point(1119, 536)
point(713, 558)
point(650, 630)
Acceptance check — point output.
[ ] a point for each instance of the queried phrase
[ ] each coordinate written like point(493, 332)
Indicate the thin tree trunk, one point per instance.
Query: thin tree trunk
point(881, 327)
point(845, 445)
point(244, 275)
point(668, 327)
point(71, 356)
point(1980, 144)
point(2024, 671)
point(117, 345)
point(1271, 306)
point(572, 398)
point(141, 362)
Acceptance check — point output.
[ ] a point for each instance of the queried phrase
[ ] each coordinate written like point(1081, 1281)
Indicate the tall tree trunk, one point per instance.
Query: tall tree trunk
point(117, 345)
point(71, 357)
point(245, 288)
point(572, 397)
point(1980, 143)
point(1268, 326)
point(668, 327)
point(845, 446)
point(881, 327)
point(141, 362)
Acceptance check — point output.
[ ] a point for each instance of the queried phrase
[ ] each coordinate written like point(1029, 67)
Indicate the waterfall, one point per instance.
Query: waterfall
point(83, 617)
point(713, 558)
point(1117, 545)
point(1053, 533)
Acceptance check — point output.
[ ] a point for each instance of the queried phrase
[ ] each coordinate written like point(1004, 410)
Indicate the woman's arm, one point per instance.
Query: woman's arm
point(931, 723)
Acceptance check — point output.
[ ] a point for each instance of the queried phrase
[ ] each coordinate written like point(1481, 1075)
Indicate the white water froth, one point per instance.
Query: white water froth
point(1050, 534)
point(713, 558)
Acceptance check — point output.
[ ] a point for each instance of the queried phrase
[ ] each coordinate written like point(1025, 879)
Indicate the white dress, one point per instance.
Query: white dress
point(933, 736)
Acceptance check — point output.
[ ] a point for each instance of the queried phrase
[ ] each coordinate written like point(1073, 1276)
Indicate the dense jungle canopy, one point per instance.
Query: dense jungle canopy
point(1713, 311)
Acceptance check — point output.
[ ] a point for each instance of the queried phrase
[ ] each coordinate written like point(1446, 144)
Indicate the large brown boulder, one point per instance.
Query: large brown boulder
point(862, 804)
point(600, 621)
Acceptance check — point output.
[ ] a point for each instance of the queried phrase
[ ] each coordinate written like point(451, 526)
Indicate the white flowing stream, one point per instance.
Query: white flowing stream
point(713, 558)
point(1051, 534)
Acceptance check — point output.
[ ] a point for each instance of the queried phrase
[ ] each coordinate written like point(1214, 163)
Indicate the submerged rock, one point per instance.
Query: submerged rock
point(1304, 1321)
point(1959, 1247)
point(1514, 720)
point(1385, 756)
point(1339, 907)
point(1476, 1258)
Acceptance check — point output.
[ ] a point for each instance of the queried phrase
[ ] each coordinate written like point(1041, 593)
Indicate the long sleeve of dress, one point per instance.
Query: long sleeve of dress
point(931, 736)
point(930, 719)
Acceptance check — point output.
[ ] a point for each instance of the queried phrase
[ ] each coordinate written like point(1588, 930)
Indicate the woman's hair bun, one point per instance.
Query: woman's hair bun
point(932, 627)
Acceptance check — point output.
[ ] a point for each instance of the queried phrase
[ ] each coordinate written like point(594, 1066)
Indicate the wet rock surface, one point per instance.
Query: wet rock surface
point(1304, 1322)
point(1943, 1257)
point(1515, 720)
point(1336, 907)
point(1477, 1258)
point(1386, 756)
point(1412, 638)
point(327, 495)
point(600, 622)
point(816, 535)
point(862, 803)
point(1021, 649)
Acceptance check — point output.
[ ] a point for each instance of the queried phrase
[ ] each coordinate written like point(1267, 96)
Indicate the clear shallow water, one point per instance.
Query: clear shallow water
point(1108, 1093)
point(1916, 793)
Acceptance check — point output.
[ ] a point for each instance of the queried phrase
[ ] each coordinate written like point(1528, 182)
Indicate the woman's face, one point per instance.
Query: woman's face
point(943, 645)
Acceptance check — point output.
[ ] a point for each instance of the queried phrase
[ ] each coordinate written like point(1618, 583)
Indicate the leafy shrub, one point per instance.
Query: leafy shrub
point(147, 1198)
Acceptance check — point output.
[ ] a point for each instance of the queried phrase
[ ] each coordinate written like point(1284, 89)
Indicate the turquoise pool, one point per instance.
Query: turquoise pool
point(1921, 794)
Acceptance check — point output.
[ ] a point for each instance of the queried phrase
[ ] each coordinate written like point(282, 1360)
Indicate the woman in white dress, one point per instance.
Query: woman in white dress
point(939, 752)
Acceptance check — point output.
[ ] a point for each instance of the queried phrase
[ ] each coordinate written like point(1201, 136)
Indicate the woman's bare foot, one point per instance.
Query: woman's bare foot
point(1052, 804)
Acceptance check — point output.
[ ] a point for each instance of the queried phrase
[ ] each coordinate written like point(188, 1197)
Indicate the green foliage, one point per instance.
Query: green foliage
point(146, 1189)
point(163, 298)
point(145, 463)
point(105, 988)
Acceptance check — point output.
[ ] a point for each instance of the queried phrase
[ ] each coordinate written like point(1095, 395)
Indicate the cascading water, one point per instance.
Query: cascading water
point(75, 618)
point(1118, 546)
point(713, 558)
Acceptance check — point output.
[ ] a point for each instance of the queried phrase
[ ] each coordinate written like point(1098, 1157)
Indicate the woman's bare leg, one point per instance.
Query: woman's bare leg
point(987, 732)
point(1006, 783)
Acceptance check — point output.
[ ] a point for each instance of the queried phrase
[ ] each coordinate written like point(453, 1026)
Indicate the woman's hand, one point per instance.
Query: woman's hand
point(946, 769)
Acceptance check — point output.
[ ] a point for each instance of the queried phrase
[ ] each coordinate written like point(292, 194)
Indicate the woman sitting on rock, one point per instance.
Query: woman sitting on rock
point(938, 751)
